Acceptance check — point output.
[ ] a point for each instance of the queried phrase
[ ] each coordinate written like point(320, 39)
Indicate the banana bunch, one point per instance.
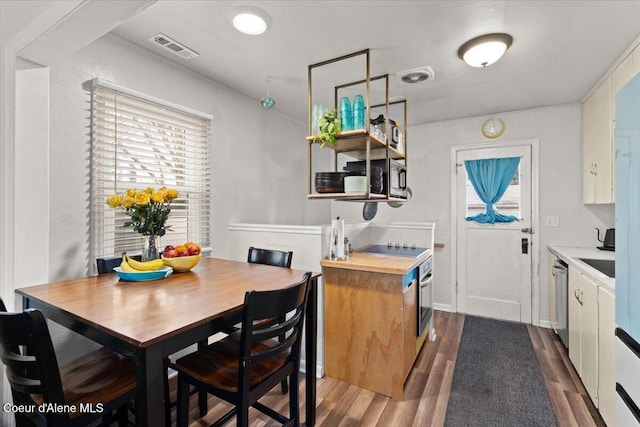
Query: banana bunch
point(130, 265)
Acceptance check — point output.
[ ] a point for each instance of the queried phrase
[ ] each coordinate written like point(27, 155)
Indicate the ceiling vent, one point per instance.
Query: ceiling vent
point(417, 75)
point(173, 46)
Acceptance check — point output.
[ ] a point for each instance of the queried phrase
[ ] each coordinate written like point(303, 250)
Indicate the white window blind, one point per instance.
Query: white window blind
point(137, 142)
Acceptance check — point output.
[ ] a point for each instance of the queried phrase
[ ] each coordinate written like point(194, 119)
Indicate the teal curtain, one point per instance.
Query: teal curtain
point(490, 178)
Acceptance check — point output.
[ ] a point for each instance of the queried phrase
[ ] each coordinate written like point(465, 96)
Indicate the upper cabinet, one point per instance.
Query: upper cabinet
point(597, 140)
point(598, 131)
point(351, 115)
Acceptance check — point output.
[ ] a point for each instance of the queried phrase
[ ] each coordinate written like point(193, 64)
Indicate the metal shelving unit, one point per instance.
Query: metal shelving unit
point(359, 144)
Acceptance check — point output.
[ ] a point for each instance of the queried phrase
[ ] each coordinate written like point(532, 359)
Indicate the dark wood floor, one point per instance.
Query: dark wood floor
point(427, 390)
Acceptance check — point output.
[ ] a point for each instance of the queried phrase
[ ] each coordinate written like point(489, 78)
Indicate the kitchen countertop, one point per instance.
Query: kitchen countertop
point(571, 256)
point(377, 263)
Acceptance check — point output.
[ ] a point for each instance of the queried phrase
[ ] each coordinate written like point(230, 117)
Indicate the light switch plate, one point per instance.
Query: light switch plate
point(552, 221)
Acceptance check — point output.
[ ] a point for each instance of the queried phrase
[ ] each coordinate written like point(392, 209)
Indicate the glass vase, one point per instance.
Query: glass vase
point(150, 251)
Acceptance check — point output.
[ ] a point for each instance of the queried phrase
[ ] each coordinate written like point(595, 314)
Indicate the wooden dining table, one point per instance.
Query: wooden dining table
point(151, 320)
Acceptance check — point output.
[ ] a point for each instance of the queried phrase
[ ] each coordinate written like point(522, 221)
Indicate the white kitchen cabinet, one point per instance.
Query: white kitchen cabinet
point(607, 356)
point(598, 132)
point(597, 157)
point(575, 319)
point(589, 332)
point(583, 330)
point(620, 76)
point(553, 312)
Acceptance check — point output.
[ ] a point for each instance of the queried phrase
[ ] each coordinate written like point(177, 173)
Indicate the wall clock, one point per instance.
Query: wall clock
point(492, 128)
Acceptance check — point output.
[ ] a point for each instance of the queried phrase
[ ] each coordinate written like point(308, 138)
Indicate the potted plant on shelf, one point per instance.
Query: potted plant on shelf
point(329, 126)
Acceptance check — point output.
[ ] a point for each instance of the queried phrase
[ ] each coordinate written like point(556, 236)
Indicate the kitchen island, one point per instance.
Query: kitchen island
point(370, 320)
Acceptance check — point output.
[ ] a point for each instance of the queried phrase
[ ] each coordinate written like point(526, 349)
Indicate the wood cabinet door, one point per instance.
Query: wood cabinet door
point(553, 313)
point(575, 341)
point(602, 143)
point(589, 332)
point(597, 142)
point(410, 325)
point(589, 112)
point(607, 356)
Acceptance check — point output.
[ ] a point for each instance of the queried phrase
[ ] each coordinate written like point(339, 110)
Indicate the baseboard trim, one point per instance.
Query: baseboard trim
point(545, 324)
point(443, 307)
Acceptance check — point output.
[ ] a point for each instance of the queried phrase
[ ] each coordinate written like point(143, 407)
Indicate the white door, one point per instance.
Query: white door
point(494, 260)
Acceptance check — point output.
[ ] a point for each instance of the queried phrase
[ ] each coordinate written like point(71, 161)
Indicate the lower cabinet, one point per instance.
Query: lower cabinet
point(607, 356)
point(592, 341)
point(370, 327)
point(575, 319)
point(583, 330)
point(589, 330)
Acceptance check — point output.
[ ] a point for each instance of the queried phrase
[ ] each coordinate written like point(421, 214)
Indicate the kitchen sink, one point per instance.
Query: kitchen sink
point(604, 266)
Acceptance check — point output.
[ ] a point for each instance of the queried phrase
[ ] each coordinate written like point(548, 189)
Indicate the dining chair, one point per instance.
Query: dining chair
point(277, 259)
point(242, 370)
point(106, 265)
point(270, 257)
point(87, 389)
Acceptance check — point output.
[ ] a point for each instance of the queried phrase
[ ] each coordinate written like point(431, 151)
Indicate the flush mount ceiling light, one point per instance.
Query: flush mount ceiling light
point(249, 20)
point(485, 50)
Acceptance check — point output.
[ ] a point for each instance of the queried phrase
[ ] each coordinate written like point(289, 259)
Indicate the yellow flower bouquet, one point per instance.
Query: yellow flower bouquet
point(149, 209)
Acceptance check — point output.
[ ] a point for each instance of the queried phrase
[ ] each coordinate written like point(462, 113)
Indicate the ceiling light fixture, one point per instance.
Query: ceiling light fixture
point(485, 50)
point(249, 20)
point(267, 102)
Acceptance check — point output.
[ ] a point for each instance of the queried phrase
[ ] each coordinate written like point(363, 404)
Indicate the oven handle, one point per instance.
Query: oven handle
point(425, 281)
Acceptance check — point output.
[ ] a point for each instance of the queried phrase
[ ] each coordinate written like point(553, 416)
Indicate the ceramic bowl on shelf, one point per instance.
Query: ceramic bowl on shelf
point(355, 184)
point(182, 263)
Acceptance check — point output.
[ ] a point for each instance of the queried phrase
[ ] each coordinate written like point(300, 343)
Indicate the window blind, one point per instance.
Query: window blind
point(138, 141)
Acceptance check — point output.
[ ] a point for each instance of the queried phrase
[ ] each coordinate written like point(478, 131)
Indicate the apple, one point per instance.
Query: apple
point(171, 253)
point(167, 249)
point(193, 249)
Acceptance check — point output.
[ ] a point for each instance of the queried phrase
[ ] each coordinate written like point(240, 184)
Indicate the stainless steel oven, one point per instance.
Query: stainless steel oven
point(425, 295)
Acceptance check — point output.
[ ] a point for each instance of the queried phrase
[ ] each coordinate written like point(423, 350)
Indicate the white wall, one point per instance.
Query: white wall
point(31, 225)
point(559, 130)
point(259, 159)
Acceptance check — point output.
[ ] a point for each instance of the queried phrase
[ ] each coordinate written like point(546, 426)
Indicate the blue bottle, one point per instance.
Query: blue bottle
point(358, 112)
point(346, 115)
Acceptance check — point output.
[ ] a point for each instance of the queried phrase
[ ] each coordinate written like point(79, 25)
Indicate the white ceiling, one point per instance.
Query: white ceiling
point(560, 48)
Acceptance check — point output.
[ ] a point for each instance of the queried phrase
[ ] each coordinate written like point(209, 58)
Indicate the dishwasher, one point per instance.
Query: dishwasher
point(561, 274)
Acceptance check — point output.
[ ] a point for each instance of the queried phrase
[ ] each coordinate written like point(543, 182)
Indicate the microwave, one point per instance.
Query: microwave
point(394, 175)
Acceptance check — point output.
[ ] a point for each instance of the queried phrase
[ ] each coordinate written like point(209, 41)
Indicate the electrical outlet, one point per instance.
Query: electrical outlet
point(552, 221)
point(432, 216)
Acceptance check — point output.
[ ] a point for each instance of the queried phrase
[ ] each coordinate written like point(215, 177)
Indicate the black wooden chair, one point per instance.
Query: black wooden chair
point(242, 370)
point(277, 259)
point(96, 384)
point(270, 257)
point(106, 265)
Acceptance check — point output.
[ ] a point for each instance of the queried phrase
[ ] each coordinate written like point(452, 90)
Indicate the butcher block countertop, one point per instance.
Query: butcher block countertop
point(377, 263)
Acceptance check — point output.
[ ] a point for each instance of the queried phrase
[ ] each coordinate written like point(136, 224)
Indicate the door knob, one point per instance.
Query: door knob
point(528, 230)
